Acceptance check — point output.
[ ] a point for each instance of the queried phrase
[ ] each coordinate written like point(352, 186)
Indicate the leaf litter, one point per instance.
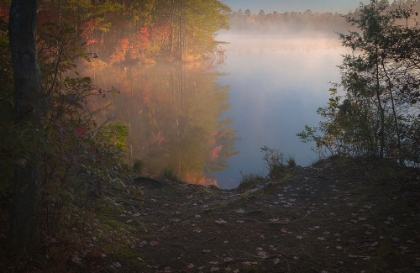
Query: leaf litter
point(337, 216)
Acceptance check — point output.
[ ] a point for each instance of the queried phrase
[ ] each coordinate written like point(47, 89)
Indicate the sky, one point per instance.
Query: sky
point(340, 6)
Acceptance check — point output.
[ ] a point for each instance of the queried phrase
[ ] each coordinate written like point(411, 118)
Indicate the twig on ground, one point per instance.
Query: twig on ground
point(208, 240)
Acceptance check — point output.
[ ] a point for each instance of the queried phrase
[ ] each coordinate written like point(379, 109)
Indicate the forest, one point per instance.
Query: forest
point(308, 23)
point(69, 152)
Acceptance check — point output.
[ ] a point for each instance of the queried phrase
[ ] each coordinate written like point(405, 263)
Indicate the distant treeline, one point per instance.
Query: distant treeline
point(301, 22)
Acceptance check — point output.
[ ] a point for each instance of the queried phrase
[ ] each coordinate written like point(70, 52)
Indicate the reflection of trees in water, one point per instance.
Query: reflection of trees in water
point(173, 113)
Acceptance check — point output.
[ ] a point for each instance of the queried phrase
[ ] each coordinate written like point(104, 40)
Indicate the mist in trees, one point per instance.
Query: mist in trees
point(308, 23)
point(61, 146)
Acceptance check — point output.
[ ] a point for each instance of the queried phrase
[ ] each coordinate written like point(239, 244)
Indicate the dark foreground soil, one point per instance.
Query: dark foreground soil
point(341, 215)
point(338, 216)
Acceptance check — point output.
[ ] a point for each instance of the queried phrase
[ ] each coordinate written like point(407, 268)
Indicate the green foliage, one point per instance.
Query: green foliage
point(78, 157)
point(291, 162)
point(250, 181)
point(378, 115)
point(274, 160)
point(169, 174)
point(138, 166)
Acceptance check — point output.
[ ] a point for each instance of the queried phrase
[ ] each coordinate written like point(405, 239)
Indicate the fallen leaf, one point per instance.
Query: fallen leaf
point(116, 264)
point(249, 263)
point(154, 243)
point(197, 229)
point(76, 259)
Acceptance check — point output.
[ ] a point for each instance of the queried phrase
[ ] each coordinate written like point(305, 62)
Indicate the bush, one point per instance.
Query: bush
point(250, 181)
point(274, 160)
point(169, 174)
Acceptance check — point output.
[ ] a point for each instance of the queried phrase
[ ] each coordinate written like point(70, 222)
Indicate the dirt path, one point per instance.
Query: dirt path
point(341, 216)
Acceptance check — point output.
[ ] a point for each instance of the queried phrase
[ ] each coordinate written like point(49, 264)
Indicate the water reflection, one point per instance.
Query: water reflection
point(174, 117)
point(277, 84)
point(188, 118)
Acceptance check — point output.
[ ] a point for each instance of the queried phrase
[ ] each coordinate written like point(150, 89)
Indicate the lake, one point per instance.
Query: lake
point(205, 123)
point(277, 84)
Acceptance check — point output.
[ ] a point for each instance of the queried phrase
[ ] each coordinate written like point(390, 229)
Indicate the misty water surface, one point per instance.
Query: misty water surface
point(190, 121)
point(277, 83)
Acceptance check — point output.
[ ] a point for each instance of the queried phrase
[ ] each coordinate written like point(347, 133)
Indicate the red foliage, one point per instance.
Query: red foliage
point(124, 44)
point(212, 140)
point(214, 153)
point(87, 27)
point(79, 130)
point(143, 38)
point(161, 30)
point(4, 12)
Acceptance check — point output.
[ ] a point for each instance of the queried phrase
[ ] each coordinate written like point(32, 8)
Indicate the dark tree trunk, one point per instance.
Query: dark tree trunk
point(27, 84)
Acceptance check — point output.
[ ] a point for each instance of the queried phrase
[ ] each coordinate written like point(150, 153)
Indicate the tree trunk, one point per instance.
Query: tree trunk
point(27, 84)
point(381, 109)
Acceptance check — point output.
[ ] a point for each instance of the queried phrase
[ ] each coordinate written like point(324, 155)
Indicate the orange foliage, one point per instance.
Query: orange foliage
point(143, 38)
point(91, 41)
point(120, 52)
point(199, 179)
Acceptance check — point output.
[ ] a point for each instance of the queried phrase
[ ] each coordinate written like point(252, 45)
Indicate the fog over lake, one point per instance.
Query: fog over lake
point(276, 85)
point(205, 122)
